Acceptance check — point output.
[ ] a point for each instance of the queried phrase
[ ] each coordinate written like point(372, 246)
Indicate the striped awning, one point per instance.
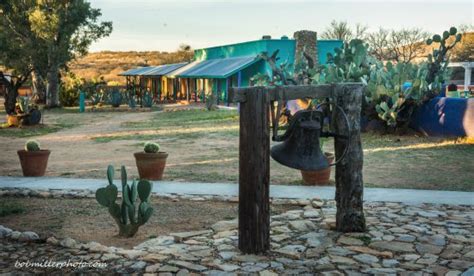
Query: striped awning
point(214, 68)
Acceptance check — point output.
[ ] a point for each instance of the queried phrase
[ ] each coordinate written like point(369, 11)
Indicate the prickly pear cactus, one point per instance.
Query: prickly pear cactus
point(438, 60)
point(127, 216)
point(147, 99)
point(116, 98)
point(32, 145)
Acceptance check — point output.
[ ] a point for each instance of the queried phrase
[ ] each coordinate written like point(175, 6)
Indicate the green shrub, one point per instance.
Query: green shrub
point(211, 102)
point(69, 97)
point(69, 90)
point(10, 208)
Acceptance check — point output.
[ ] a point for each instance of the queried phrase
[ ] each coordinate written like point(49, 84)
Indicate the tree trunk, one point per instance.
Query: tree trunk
point(11, 94)
point(52, 88)
point(349, 183)
point(39, 90)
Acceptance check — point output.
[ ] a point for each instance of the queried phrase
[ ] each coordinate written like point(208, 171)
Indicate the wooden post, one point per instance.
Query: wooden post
point(195, 90)
point(349, 184)
point(188, 92)
point(239, 79)
point(254, 173)
point(217, 83)
point(175, 89)
point(204, 90)
point(227, 84)
point(160, 88)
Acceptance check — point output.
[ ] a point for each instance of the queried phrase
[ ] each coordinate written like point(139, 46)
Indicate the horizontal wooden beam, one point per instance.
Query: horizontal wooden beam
point(289, 92)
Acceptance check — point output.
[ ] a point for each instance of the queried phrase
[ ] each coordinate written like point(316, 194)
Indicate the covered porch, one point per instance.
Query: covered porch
point(199, 79)
point(151, 80)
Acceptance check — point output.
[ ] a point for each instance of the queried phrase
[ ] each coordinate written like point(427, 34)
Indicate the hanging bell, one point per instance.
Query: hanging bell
point(300, 148)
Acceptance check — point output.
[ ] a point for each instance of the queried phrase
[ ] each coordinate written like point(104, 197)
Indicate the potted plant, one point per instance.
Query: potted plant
point(33, 159)
point(319, 177)
point(151, 162)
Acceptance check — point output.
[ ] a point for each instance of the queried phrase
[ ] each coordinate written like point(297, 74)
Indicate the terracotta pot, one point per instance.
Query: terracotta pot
point(151, 165)
point(33, 163)
point(320, 177)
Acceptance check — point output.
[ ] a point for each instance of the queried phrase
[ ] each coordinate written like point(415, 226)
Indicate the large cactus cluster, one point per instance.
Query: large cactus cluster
point(126, 215)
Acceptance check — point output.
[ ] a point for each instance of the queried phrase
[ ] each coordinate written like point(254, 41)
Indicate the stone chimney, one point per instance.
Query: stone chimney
point(306, 41)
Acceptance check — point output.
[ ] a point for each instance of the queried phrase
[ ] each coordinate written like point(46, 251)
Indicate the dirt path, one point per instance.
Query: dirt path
point(208, 152)
point(73, 152)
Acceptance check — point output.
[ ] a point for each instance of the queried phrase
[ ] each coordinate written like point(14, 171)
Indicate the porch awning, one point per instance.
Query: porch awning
point(135, 71)
point(159, 70)
point(214, 68)
point(164, 69)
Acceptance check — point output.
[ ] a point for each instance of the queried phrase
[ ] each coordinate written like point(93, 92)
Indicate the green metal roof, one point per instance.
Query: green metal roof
point(153, 70)
point(164, 69)
point(135, 71)
point(214, 68)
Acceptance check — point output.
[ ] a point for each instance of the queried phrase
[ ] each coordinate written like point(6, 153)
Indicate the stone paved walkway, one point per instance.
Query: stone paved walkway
point(422, 239)
point(228, 189)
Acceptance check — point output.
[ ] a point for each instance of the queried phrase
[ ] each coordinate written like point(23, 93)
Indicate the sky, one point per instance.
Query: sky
point(162, 25)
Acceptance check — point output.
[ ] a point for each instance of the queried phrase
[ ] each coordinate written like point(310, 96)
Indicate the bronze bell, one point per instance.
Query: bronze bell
point(300, 148)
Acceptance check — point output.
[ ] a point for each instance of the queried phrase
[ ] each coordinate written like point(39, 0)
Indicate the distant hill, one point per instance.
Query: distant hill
point(108, 64)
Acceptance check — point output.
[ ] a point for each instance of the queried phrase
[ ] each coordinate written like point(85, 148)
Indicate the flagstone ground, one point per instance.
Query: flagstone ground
point(401, 239)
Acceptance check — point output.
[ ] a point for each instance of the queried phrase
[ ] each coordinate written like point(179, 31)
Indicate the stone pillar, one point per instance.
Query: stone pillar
point(306, 41)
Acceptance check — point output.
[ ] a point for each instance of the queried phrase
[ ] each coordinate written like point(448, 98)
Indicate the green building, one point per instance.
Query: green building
point(215, 69)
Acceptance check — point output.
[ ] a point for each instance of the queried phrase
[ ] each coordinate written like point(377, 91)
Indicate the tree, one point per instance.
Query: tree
point(67, 28)
point(342, 31)
point(402, 45)
point(360, 31)
point(378, 42)
point(184, 48)
point(464, 51)
point(185, 52)
point(16, 48)
point(405, 44)
point(61, 30)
